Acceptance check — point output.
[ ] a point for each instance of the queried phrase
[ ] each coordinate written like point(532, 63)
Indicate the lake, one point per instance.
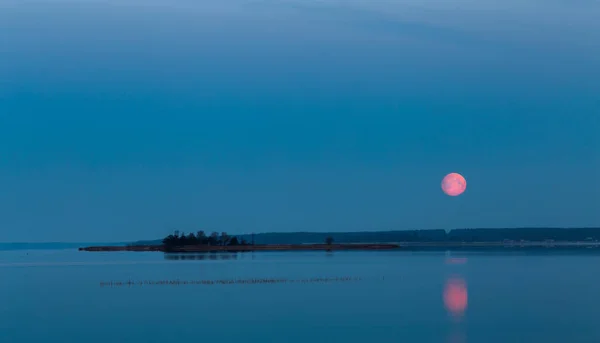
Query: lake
point(56, 296)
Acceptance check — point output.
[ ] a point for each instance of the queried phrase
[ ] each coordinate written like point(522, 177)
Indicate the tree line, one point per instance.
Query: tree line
point(201, 238)
point(456, 235)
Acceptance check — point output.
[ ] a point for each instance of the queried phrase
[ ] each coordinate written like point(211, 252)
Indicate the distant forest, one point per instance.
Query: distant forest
point(457, 235)
point(200, 238)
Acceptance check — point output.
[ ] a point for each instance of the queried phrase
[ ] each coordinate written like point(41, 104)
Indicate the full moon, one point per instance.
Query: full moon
point(454, 184)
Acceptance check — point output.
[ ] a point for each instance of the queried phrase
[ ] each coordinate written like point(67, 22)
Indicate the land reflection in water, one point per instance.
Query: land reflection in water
point(202, 256)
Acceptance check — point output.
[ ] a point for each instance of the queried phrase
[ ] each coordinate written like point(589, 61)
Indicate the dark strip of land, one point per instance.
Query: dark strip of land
point(243, 248)
point(455, 236)
point(517, 238)
point(408, 246)
point(124, 248)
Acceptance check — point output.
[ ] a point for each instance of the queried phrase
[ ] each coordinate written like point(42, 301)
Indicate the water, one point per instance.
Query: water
point(55, 296)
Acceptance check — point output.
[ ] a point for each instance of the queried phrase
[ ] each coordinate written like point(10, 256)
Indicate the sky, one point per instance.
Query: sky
point(124, 120)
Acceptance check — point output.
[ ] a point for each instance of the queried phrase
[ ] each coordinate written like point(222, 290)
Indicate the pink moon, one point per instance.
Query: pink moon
point(454, 184)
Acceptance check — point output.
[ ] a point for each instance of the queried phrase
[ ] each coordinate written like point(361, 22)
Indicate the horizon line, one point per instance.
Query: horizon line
point(314, 232)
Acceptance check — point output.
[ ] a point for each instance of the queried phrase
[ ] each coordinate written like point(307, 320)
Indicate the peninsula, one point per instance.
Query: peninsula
point(243, 248)
point(459, 239)
point(215, 242)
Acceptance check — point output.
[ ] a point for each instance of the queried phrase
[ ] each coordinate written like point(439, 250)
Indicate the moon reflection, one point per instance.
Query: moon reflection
point(456, 296)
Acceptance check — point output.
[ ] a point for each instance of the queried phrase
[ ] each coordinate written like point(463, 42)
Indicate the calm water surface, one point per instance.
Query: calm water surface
point(55, 296)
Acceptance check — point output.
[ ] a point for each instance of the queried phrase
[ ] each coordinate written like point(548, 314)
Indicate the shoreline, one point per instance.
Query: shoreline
point(405, 246)
point(244, 248)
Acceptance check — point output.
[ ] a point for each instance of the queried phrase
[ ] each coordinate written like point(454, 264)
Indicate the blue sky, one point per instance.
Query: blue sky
point(124, 120)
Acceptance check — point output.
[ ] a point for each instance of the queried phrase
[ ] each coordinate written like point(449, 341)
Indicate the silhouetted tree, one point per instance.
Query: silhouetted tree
point(201, 237)
point(213, 239)
point(191, 239)
point(224, 238)
point(170, 240)
point(329, 240)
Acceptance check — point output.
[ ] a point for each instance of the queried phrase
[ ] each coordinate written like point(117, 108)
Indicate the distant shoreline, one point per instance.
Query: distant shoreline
point(406, 246)
point(244, 248)
point(454, 236)
point(455, 239)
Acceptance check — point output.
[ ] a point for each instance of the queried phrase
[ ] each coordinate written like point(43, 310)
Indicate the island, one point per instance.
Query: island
point(200, 242)
point(458, 239)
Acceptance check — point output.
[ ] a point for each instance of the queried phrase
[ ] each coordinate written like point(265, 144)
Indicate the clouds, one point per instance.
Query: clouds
point(316, 47)
point(254, 40)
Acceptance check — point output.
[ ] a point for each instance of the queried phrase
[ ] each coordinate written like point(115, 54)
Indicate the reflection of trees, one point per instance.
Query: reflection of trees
point(201, 256)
